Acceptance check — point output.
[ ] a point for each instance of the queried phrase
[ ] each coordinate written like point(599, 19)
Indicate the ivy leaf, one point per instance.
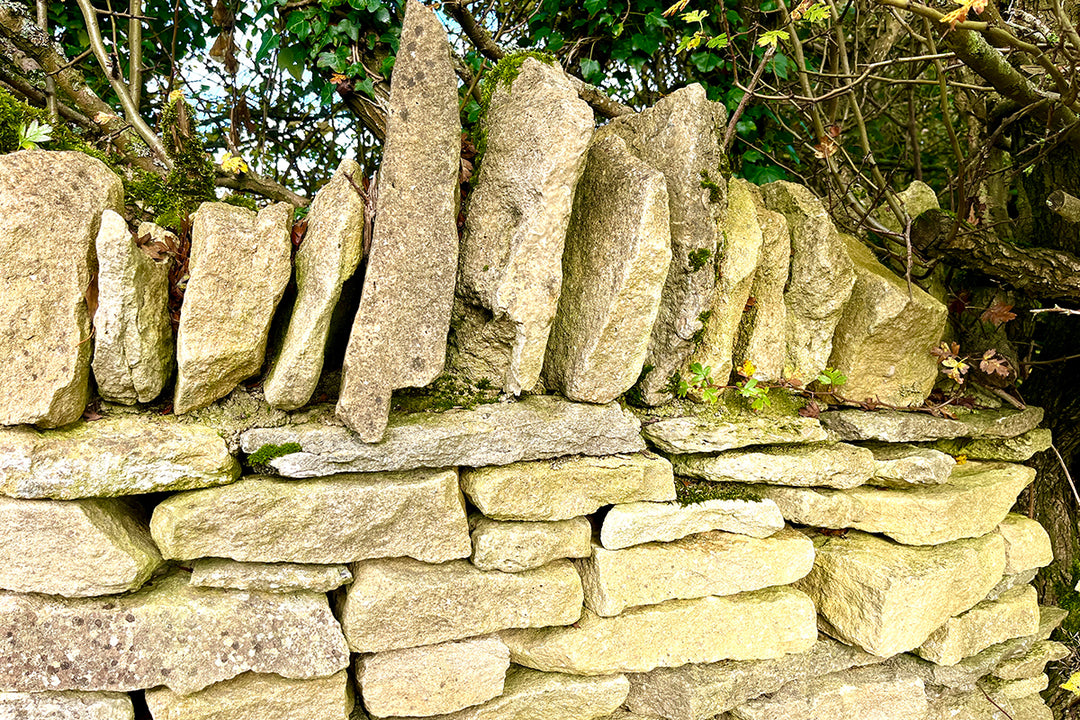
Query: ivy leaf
point(589, 67)
point(593, 6)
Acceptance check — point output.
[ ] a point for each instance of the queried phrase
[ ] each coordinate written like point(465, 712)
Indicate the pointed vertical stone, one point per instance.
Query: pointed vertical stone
point(399, 335)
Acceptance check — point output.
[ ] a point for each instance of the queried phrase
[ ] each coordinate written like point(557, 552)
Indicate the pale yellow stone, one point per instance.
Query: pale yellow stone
point(517, 546)
point(70, 705)
point(1032, 662)
point(1027, 545)
point(836, 465)
point(1014, 614)
point(253, 696)
point(641, 522)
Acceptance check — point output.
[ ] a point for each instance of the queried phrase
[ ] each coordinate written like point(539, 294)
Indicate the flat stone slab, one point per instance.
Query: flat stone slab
point(642, 522)
point(1012, 449)
point(400, 602)
point(1032, 662)
point(974, 705)
point(976, 498)
point(517, 546)
point(817, 465)
point(1013, 689)
point(537, 427)
point(888, 598)
point(340, 519)
point(1014, 614)
point(79, 548)
point(710, 563)
point(902, 466)
point(434, 679)
point(121, 455)
point(1027, 544)
point(567, 487)
point(750, 626)
point(893, 426)
point(268, 577)
point(69, 705)
point(253, 696)
point(711, 434)
point(168, 633)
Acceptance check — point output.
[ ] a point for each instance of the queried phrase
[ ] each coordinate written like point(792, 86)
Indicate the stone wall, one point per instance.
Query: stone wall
point(540, 532)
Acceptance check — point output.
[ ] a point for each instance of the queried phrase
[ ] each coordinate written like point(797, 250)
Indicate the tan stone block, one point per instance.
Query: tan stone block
point(1027, 545)
point(641, 522)
point(66, 706)
point(253, 696)
point(814, 465)
point(710, 434)
point(1032, 662)
point(1014, 614)
point(268, 577)
point(517, 546)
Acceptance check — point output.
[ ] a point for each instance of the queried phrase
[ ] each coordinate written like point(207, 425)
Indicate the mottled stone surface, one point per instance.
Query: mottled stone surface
point(537, 427)
point(618, 249)
point(641, 522)
point(433, 679)
point(416, 513)
point(48, 200)
point(710, 563)
point(268, 577)
point(894, 426)
point(708, 434)
point(1014, 614)
point(537, 130)
point(398, 337)
point(1032, 662)
point(238, 269)
point(906, 465)
point(65, 706)
point(1011, 449)
point(567, 487)
point(1014, 689)
point(1008, 582)
point(750, 626)
point(133, 340)
point(888, 598)
point(253, 696)
point(326, 259)
point(974, 705)
point(819, 465)
point(680, 137)
point(1031, 707)
point(517, 546)
point(122, 455)
point(168, 633)
point(400, 602)
point(1027, 545)
point(77, 548)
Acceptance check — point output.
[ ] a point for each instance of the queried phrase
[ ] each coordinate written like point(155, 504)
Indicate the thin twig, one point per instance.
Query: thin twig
point(1068, 475)
point(1055, 309)
point(747, 94)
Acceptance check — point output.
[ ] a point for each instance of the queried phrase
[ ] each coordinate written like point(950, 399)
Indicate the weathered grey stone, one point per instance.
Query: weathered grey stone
point(418, 513)
point(517, 546)
point(1014, 689)
point(974, 705)
point(698, 692)
point(711, 563)
point(884, 338)
point(618, 250)
point(238, 269)
point(763, 336)
point(820, 282)
point(1014, 614)
point(48, 200)
point(168, 633)
point(916, 198)
point(642, 522)
point(398, 337)
point(749, 626)
point(268, 577)
point(1027, 545)
point(76, 549)
point(254, 696)
point(567, 487)
point(133, 340)
point(537, 130)
point(326, 259)
point(539, 426)
point(822, 465)
point(894, 426)
point(709, 434)
point(1008, 582)
point(65, 706)
point(679, 136)
point(869, 693)
point(976, 498)
point(888, 598)
point(434, 679)
point(1013, 449)
point(400, 602)
point(1032, 662)
point(124, 455)
point(902, 466)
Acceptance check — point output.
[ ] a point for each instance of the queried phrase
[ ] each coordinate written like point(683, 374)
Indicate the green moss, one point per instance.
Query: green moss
point(502, 75)
point(445, 392)
point(241, 201)
point(268, 452)
point(699, 258)
point(689, 491)
point(716, 191)
point(699, 334)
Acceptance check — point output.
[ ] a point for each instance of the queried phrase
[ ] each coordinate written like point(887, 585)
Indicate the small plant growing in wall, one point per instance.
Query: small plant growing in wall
point(755, 391)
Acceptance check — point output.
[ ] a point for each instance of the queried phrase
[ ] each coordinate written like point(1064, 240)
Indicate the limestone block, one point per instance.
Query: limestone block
point(1027, 545)
point(709, 434)
point(820, 282)
point(254, 696)
point(894, 426)
point(711, 563)
point(749, 626)
point(1014, 614)
point(567, 487)
point(238, 269)
point(537, 427)
point(517, 546)
point(116, 455)
point(1012, 449)
point(48, 200)
point(821, 465)
point(268, 577)
point(976, 498)
point(76, 549)
point(618, 250)
point(537, 131)
point(679, 136)
point(1031, 707)
point(916, 198)
point(133, 340)
point(400, 602)
point(434, 679)
point(1033, 662)
point(418, 513)
point(1014, 689)
point(901, 466)
point(1008, 582)
point(169, 633)
point(974, 705)
point(326, 259)
point(398, 337)
point(642, 522)
point(65, 706)
point(888, 598)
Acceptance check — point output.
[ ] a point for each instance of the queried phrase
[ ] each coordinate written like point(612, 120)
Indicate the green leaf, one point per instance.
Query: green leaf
point(589, 67)
point(382, 15)
point(593, 6)
point(269, 42)
point(647, 44)
point(706, 61)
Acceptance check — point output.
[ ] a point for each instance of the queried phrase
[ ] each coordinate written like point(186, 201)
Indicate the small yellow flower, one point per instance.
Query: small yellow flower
point(747, 369)
point(234, 164)
point(961, 459)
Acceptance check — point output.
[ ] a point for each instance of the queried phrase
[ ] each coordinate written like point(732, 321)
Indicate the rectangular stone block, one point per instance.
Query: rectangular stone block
point(896, 427)
point(69, 705)
point(268, 577)
point(1027, 545)
point(517, 546)
point(711, 434)
point(253, 696)
point(835, 465)
point(1014, 614)
point(640, 522)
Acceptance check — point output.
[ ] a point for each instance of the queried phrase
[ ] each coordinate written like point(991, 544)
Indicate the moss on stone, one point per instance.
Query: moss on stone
point(268, 452)
point(445, 392)
point(689, 491)
point(699, 258)
point(716, 191)
point(502, 75)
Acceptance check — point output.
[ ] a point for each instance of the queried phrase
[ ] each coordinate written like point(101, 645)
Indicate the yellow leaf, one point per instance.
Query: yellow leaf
point(747, 369)
point(961, 459)
point(176, 95)
point(677, 7)
point(1073, 684)
point(234, 164)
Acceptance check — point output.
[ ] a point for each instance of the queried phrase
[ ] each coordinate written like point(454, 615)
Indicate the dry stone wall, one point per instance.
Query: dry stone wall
point(570, 548)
